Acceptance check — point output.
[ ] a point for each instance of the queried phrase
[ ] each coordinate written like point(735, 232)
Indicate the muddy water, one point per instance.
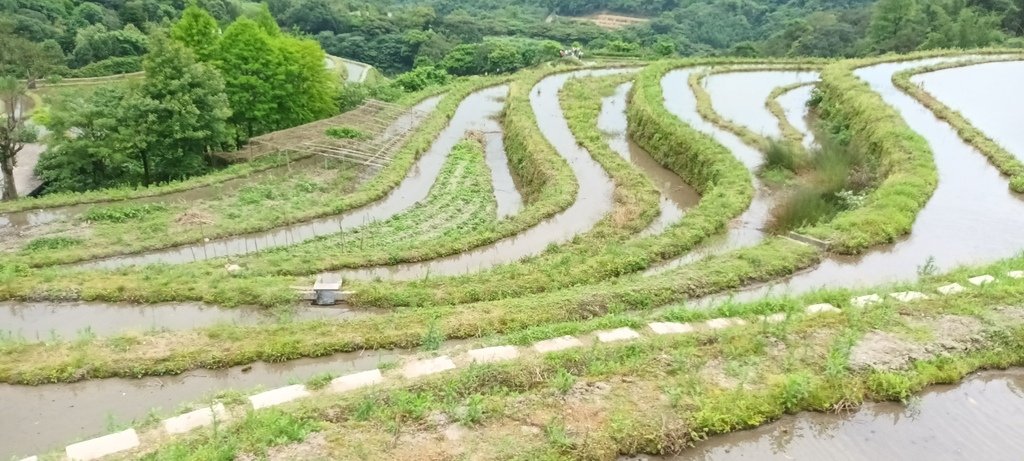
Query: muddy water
point(979, 419)
point(741, 96)
point(992, 101)
point(794, 104)
point(413, 188)
point(676, 195)
point(593, 199)
point(972, 217)
point(745, 230)
point(46, 321)
point(506, 194)
point(41, 418)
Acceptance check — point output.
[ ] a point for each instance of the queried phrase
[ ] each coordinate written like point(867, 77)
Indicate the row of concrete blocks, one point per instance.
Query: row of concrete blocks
point(127, 440)
point(945, 290)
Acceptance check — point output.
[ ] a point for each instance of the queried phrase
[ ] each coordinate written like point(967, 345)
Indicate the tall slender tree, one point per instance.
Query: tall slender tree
point(13, 133)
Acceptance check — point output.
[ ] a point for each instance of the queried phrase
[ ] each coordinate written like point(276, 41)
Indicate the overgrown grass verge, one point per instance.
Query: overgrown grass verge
point(657, 395)
point(1002, 159)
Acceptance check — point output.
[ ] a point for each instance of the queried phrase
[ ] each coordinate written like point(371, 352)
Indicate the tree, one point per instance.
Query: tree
point(897, 25)
point(21, 58)
point(197, 30)
point(13, 133)
point(254, 77)
point(181, 113)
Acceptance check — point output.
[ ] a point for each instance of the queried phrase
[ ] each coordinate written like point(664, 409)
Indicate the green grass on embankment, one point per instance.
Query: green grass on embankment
point(655, 395)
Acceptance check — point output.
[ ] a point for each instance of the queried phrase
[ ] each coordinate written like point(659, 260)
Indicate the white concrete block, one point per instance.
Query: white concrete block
point(981, 280)
point(951, 289)
point(557, 344)
point(618, 334)
point(1015, 274)
point(670, 328)
point(908, 296)
point(102, 446)
point(194, 419)
point(718, 324)
point(493, 354)
point(30, 458)
point(278, 396)
point(427, 367)
point(823, 308)
point(775, 318)
point(355, 381)
point(864, 301)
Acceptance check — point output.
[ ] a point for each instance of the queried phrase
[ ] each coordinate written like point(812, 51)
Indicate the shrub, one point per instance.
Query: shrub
point(110, 66)
point(346, 132)
point(51, 243)
point(122, 213)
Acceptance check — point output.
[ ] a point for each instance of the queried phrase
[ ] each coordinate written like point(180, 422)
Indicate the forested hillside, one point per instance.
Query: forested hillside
point(486, 36)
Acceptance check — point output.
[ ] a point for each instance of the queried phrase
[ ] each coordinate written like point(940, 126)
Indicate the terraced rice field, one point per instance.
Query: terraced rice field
point(564, 263)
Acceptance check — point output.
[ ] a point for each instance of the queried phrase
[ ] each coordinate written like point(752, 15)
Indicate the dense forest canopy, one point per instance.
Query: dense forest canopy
point(108, 36)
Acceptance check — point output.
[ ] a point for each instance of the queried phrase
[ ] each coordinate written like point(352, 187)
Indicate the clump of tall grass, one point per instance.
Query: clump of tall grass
point(783, 155)
point(835, 179)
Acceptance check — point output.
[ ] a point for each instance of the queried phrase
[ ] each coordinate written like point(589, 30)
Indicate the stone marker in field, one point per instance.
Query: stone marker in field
point(951, 289)
point(194, 419)
point(867, 300)
point(981, 280)
point(618, 334)
point(908, 296)
point(775, 318)
point(823, 308)
point(718, 324)
point(278, 396)
point(102, 446)
point(427, 367)
point(355, 381)
point(670, 328)
point(557, 344)
point(493, 354)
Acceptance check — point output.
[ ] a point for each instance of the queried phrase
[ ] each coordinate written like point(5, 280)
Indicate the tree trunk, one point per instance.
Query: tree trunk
point(145, 169)
point(10, 191)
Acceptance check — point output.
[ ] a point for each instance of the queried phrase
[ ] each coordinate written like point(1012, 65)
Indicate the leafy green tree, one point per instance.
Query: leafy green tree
point(897, 25)
point(198, 30)
point(254, 77)
point(262, 17)
point(13, 133)
point(311, 92)
point(181, 113)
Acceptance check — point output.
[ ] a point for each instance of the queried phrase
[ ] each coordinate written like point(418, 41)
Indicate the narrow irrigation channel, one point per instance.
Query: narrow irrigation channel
point(38, 418)
point(48, 321)
point(971, 218)
point(978, 419)
point(747, 229)
point(992, 101)
point(676, 195)
point(794, 104)
point(593, 199)
point(412, 189)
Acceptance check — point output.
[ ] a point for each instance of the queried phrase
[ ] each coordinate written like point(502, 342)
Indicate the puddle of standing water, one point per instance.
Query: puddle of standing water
point(40, 418)
point(741, 96)
point(992, 100)
point(979, 419)
point(47, 321)
point(593, 199)
point(972, 218)
point(676, 195)
point(794, 104)
point(746, 229)
point(412, 189)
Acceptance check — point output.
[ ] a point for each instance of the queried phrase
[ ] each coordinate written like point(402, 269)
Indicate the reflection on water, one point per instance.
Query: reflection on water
point(741, 96)
point(794, 105)
point(981, 419)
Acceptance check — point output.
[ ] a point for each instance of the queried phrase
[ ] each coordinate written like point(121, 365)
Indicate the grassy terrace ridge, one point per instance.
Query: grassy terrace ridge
point(655, 394)
point(706, 108)
point(369, 191)
point(1002, 159)
point(852, 110)
point(789, 132)
point(128, 193)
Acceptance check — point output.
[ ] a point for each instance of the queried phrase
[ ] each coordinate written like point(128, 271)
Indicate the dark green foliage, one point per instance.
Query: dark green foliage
point(51, 243)
point(122, 213)
point(345, 132)
point(109, 66)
